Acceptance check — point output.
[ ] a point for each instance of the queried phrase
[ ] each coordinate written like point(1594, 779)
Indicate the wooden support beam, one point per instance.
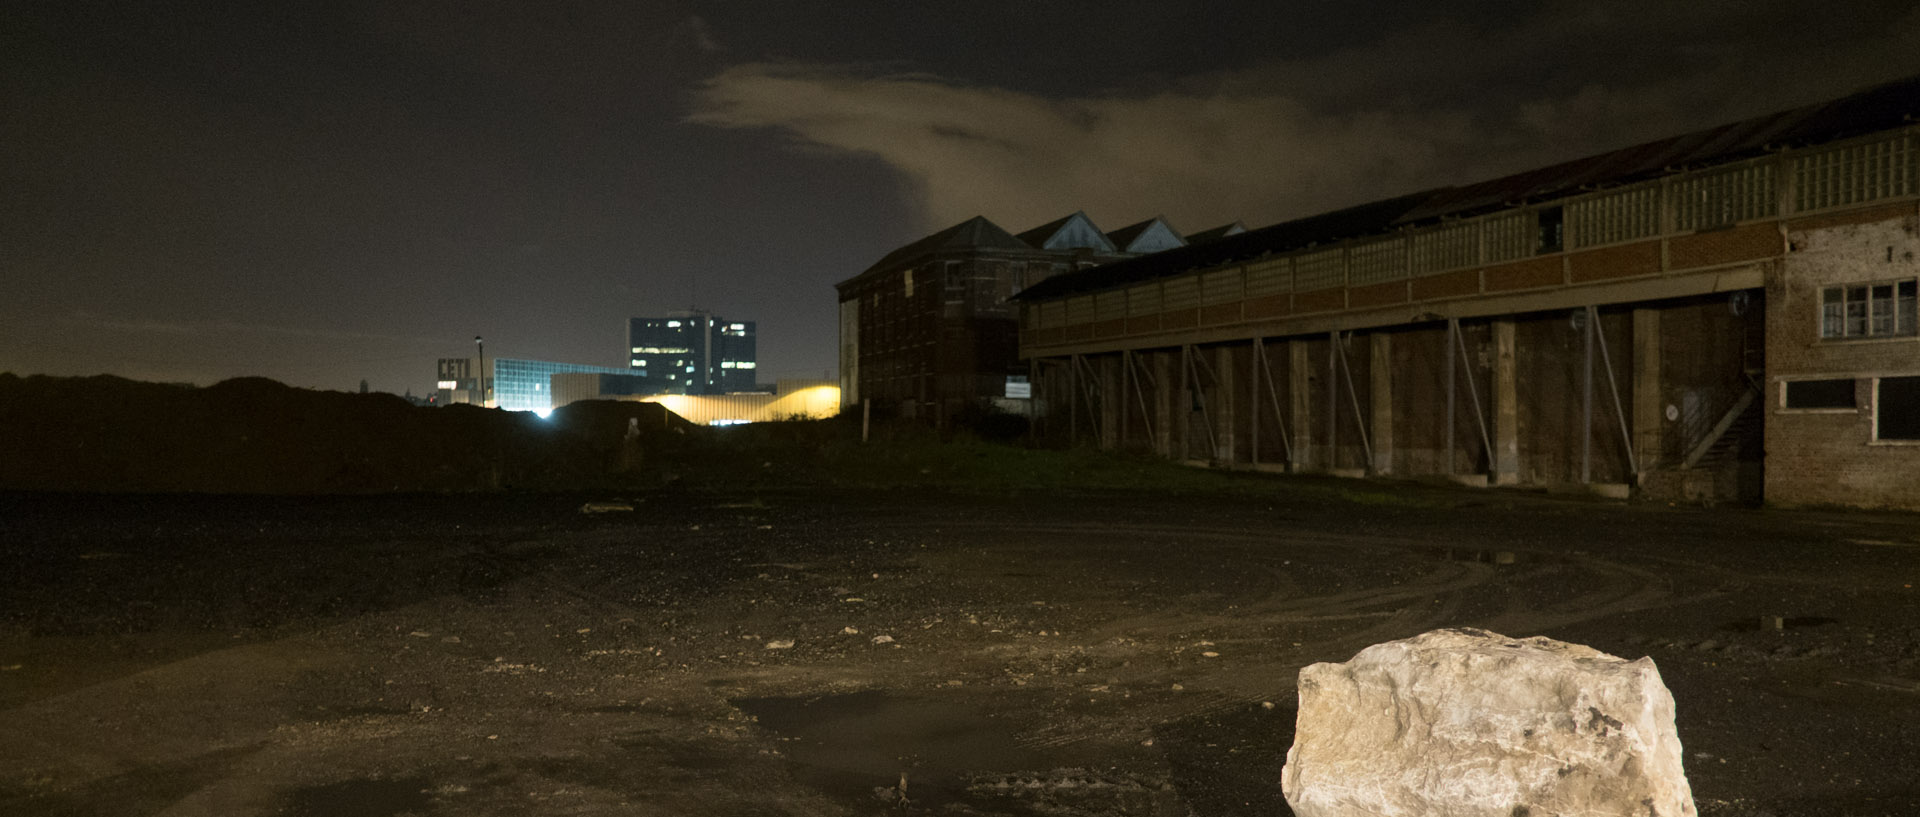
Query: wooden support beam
point(1300, 405)
point(1649, 404)
point(1506, 405)
point(1226, 407)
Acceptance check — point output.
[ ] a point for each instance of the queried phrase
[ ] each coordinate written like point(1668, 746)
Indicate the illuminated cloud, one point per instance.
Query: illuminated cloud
point(1023, 160)
point(1418, 108)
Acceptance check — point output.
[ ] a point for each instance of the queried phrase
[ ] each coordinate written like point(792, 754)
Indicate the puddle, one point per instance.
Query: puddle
point(855, 746)
point(361, 798)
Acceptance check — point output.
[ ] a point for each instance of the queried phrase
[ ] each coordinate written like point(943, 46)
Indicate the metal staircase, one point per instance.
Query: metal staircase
point(1739, 424)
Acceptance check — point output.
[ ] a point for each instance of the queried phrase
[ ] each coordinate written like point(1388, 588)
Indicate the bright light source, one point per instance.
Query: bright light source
point(543, 413)
point(673, 324)
point(449, 384)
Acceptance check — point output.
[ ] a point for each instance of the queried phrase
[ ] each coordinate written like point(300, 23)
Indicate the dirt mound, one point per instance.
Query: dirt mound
point(253, 435)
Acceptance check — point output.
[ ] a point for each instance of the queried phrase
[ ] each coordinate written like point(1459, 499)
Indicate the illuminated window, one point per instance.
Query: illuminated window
point(449, 384)
point(1319, 270)
point(746, 364)
point(1452, 247)
point(1854, 174)
point(1080, 309)
point(1724, 197)
point(1620, 216)
point(1176, 293)
point(1219, 287)
point(1882, 309)
point(1506, 236)
point(673, 324)
point(1143, 299)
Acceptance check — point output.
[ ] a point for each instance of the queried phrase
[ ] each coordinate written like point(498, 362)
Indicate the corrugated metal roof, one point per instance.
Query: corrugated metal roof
point(1882, 107)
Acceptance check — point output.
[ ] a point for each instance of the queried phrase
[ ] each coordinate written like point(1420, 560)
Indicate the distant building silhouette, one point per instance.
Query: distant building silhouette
point(927, 331)
point(522, 385)
point(692, 352)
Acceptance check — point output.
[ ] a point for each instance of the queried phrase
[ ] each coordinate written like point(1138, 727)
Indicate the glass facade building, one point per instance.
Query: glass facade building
point(525, 385)
point(693, 353)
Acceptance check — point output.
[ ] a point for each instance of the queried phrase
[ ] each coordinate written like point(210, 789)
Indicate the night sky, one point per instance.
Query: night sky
point(325, 192)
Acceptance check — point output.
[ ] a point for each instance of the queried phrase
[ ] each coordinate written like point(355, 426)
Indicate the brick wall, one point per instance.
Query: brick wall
point(1829, 457)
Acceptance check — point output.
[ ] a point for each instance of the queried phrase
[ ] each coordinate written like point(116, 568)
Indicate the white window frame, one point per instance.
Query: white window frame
point(1901, 310)
point(1787, 382)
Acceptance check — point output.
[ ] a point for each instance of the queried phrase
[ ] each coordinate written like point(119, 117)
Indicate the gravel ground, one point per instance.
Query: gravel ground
point(872, 652)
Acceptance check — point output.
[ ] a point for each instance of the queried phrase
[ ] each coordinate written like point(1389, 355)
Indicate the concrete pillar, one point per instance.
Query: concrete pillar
point(1300, 406)
point(1226, 407)
point(1380, 400)
point(1107, 367)
point(1163, 389)
point(1649, 409)
point(1506, 406)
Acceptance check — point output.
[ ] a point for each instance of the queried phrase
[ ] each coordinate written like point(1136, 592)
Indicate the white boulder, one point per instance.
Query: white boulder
point(1464, 722)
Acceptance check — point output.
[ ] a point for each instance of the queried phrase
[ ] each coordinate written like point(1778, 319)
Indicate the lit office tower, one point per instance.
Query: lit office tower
point(692, 353)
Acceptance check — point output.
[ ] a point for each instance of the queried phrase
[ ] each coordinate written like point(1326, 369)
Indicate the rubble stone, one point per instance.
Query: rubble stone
point(1462, 722)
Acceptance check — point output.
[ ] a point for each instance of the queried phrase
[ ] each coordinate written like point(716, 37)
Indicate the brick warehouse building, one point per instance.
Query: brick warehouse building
point(1723, 314)
point(928, 330)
